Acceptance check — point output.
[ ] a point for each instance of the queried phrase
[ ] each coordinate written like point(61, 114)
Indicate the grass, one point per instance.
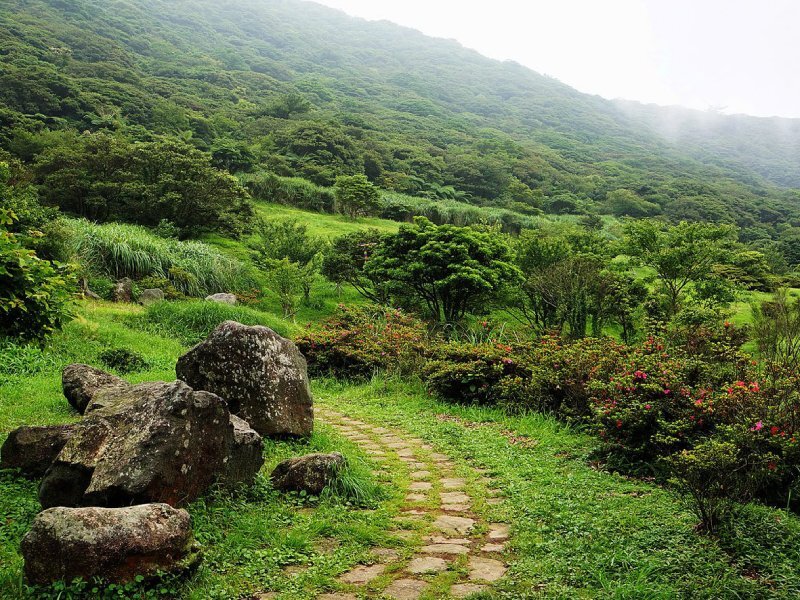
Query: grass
point(577, 531)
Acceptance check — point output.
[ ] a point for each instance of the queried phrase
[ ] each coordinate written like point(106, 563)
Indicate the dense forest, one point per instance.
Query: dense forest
point(296, 89)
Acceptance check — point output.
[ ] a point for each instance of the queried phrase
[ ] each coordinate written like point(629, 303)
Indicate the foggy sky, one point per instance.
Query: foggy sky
point(738, 56)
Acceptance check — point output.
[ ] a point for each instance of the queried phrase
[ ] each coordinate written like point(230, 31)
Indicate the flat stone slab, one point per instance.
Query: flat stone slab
point(493, 548)
point(494, 501)
point(455, 498)
point(336, 596)
point(419, 475)
point(362, 574)
point(498, 532)
point(420, 486)
point(436, 457)
point(454, 483)
point(455, 508)
point(455, 526)
point(440, 539)
point(405, 589)
point(405, 452)
point(444, 549)
point(462, 590)
point(426, 564)
point(416, 498)
point(485, 569)
point(385, 555)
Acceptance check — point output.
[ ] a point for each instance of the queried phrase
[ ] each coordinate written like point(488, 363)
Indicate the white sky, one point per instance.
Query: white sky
point(741, 56)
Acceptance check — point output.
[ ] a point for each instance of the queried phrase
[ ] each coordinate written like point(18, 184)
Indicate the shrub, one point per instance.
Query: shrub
point(123, 360)
point(35, 294)
point(360, 340)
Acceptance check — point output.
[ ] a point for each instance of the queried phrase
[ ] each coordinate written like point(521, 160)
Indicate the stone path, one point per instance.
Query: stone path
point(455, 552)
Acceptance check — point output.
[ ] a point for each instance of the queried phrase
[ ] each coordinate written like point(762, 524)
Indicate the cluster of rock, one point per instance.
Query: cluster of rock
point(123, 292)
point(113, 484)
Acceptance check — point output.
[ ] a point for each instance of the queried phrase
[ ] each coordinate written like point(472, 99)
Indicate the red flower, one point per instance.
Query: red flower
point(774, 430)
point(619, 424)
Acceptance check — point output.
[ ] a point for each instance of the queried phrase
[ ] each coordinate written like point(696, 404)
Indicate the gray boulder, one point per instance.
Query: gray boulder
point(123, 290)
point(262, 375)
point(116, 544)
point(245, 456)
point(223, 298)
point(81, 382)
point(311, 473)
point(33, 449)
point(153, 442)
point(151, 296)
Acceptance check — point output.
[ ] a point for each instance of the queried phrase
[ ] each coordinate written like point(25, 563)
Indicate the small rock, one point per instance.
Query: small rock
point(405, 589)
point(81, 382)
point(427, 564)
point(485, 569)
point(123, 290)
point(245, 455)
point(151, 296)
point(453, 525)
point(445, 549)
point(116, 544)
point(362, 574)
point(498, 532)
point(310, 473)
point(33, 449)
point(223, 298)
point(261, 375)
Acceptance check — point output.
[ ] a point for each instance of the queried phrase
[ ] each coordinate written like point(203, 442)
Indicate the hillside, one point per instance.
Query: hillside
point(300, 89)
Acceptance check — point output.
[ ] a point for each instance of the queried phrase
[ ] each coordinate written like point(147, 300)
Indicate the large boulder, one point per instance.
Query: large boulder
point(262, 376)
point(153, 442)
point(123, 290)
point(81, 382)
point(245, 456)
point(151, 296)
point(33, 449)
point(311, 473)
point(116, 544)
point(222, 298)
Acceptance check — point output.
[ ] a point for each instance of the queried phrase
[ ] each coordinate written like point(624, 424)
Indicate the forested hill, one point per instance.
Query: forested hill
point(299, 89)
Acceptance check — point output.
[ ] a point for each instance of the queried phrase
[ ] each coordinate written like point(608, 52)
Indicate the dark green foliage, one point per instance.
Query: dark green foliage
point(106, 178)
point(355, 196)
point(35, 294)
point(446, 271)
point(123, 360)
point(345, 262)
point(289, 87)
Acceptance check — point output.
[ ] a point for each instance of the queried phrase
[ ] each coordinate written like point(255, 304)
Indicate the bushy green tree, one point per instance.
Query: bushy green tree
point(286, 280)
point(355, 195)
point(35, 294)
point(680, 255)
point(448, 270)
point(290, 240)
point(106, 178)
point(346, 260)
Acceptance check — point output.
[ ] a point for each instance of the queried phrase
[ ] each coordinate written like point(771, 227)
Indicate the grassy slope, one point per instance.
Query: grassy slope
point(578, 532)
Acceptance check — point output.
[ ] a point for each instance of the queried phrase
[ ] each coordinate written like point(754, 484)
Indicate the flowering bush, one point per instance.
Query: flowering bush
point(359, 340)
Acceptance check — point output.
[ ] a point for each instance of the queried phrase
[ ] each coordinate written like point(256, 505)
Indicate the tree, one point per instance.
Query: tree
point(624, 203)
point(448, 270)
point(346, 259)
point(290, 240)
point(355, 195)
point(286, 280)
point(680, 255)
point(35, 294)
point(107, 178)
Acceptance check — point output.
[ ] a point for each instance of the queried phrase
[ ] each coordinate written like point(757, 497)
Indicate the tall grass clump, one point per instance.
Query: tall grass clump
point(290, 191)
point(191, 321)
point(119, 250)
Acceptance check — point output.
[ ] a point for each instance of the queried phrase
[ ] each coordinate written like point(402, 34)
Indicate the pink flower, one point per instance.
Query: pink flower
point(639, 375)
point(757, 427)
point(647, 407)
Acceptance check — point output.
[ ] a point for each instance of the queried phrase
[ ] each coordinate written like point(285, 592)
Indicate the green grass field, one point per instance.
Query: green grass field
point(577, 531)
